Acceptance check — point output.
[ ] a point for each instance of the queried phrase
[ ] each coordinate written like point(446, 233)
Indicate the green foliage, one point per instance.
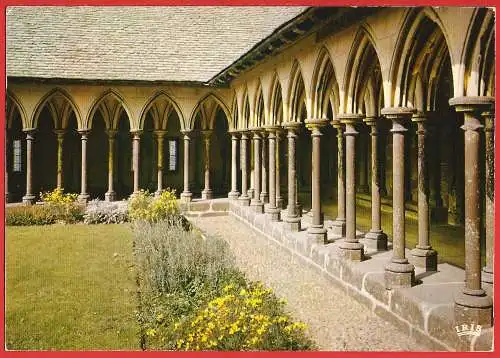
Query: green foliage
point(46, 214)
point(57, 196)
point(144, 206)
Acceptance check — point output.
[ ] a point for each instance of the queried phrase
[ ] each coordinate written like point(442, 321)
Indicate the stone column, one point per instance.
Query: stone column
point(316, 231)
point(256, 203)
point(399, 272)
point(186, 195)
point(111, 194)
point(338, 226)
point(376, 238)
point(350, 247)
point(29, 198)
point(292, 218)
point(233, 195)
point(423, 255)
point(160, 136)
point(472, 305)
point(279, 198)
point(136, 141)
point(244, 199)
point(264, 195)
point(60, 140)
point(363, 165)
point(207, 193)
point(84, 196)
point(272, 210)
point(489, 131)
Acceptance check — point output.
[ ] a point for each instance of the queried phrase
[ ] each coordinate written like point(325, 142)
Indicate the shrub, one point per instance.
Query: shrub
point(103, 212)
point(29, 215)
point(57, 196)
point(146, 207)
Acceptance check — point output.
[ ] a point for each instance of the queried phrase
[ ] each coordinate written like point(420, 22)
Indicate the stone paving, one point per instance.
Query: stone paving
point(336, 321)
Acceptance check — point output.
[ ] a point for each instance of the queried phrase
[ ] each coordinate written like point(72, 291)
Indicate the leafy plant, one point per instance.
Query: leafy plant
point(146, 207)
point(103, 212)
point(57, 196)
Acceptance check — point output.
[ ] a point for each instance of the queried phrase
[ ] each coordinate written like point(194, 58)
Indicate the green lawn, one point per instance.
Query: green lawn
point(70, 287)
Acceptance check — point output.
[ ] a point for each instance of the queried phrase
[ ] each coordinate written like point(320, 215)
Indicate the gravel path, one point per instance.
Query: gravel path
point(336, 322)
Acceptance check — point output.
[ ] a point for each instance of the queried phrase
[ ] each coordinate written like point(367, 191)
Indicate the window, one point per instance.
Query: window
point(16, 151)
point(172, 155)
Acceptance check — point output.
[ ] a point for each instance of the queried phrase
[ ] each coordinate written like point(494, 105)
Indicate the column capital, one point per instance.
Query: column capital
point(292, 126)
point(30, 133)
point(235, 133)
point(419, 117)
point(245, 134)
point(84, 132)
point(136, 133)
point(397, 113)
point(371, 120)
point(59, 132)
point(159, 133)
point(272, 130)
point(336, 123)
point(111, 133)
point(472, 103)
point(207, 133)
point(315, 123)
point(350, 118)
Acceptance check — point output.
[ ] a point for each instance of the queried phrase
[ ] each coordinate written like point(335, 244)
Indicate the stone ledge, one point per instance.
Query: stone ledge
point(422, 311)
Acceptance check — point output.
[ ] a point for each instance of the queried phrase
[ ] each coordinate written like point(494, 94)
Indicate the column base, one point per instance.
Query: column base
point(250, 193)
point(83, 198)
point(292, 223)
point(298, 209)
point(353, 251)
point(399, 275)
point(257, 206)
point(207, 194)
point(317, 234)
point(476, 307)
point(29, 199)
point(425, 258)
point(273, 213)
point(233, 195)
point(279, 202)
point(264, 197)
point(110, 196)
point(186, 196)
point(487, 275)
point(338, 228)
point(244, 200)
point(376, 240)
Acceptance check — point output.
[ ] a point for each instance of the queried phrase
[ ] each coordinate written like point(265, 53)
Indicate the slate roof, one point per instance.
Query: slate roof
point(143, 43)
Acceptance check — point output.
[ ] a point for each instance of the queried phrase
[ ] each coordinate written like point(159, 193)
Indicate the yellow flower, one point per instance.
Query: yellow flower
point(151, 332)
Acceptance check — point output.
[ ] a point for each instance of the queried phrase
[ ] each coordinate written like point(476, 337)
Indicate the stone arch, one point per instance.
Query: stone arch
point(235, 113)
point(259, 108)
point(361, 66)
point(421, 40)
point(324, 86)
point(162, 118)
point(479, 55)
point(20, 108)
point(276, 109)
point(45, 100)
point(296, 94)
point(245, 112)
point(113, 119)
point(219, 102)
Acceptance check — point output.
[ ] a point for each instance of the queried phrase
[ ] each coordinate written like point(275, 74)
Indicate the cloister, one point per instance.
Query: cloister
point(379, 118)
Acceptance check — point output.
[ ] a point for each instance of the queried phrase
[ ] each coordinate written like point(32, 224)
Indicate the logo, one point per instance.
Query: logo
point(468, 330)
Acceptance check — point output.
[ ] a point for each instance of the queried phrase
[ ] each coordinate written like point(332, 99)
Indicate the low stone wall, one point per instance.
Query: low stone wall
point(425, 311)
point(213, 207)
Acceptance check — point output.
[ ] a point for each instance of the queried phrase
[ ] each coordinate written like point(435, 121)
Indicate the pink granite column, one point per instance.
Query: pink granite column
point(338, 226)
point(423, 255)
point(60, 141)
point(279, 198)
point(136, 142)
point(233, 195)
point(292, 218)
point(111, 194)
point(489, 131)
point(399, 272)
point(207, 192)
point(256, 204)
point(186, 195)
point(84, 196)
point(272, 210)
point(244, 199)
point(376, 238)
point(160, 135)
point(29, 198)
point(264, 194)
point(472, 304)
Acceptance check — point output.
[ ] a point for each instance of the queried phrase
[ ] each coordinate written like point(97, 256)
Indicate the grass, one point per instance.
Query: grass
point(70, 287)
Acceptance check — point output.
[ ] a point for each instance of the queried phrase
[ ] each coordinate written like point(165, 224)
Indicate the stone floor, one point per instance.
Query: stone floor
point(336, 321)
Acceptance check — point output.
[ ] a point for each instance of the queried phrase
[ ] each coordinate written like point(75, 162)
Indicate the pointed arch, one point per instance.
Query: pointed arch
point(162, 119)
point(324, 86)
point(219, 102)
point(46, 100)
point(245, 111)
point(113, 119)
point(259, 119)
point(296, 94)
point(276, 106)
point(22, 112)
point(234, 113)
point(363, 63)
point(421, 44)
